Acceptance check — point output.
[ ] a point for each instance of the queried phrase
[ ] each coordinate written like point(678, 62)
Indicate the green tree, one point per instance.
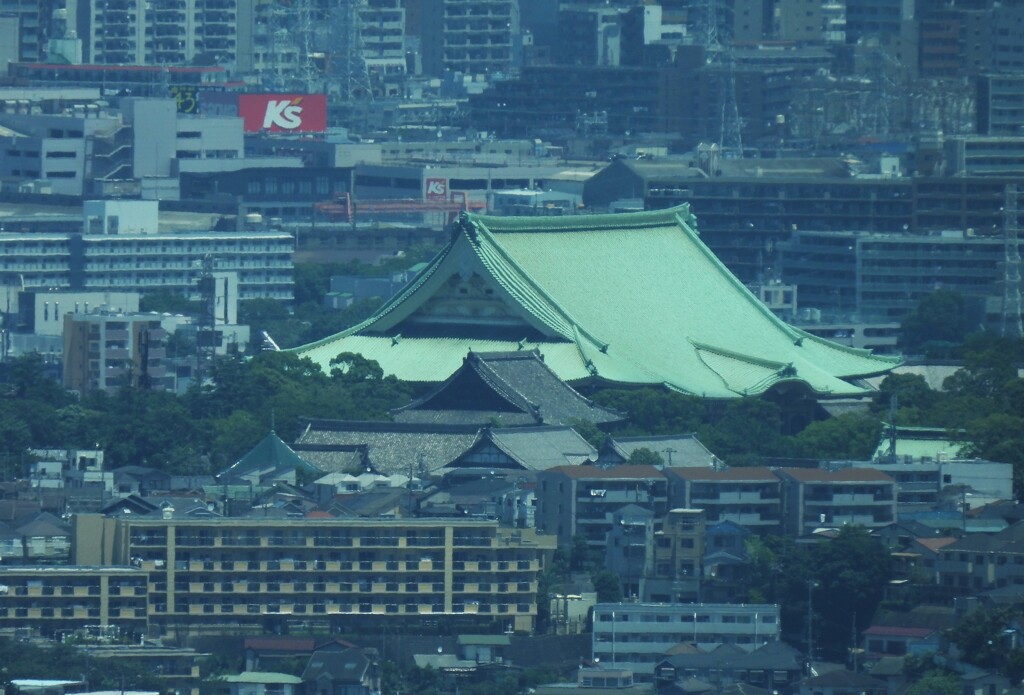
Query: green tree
point(847, 436)
point(935, 682)
point(645, 457)
point(852, 571)
point(936, 324)
point(607, 586)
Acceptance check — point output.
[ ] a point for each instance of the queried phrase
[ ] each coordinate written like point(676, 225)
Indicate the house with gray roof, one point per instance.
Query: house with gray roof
point(775, 666)
point(392, 448)
point(682, 450)
point(506, 389)
point(271, 460)
point(527, 448)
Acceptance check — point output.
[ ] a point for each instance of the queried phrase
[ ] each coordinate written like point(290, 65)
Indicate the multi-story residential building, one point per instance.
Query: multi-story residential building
point(815, 498)
point(147, 262)
point(636, 635)
point(883, 18)
point(55, 600)
point(472, 37)
point(160, 32)
point(884, 276)
point(985, 155)
point(1000, 104)
point(980, 562)
point(748, 496)
point(108, 352)
point(580, 500)
point(678, 548)
point(220, 572)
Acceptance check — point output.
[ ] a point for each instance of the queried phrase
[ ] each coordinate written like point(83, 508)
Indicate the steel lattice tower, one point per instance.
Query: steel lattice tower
point(1011, 323)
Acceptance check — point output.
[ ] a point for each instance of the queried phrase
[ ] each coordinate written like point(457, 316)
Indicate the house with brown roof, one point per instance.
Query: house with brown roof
point(815, 498)
point(750, 497)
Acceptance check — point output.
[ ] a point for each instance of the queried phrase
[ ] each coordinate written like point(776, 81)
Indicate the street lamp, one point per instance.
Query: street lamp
point(812, 584)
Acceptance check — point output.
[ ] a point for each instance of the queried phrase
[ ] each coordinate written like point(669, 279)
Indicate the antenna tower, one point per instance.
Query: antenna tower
point(206, 329)
point(721, 59)
point(347, 67)
point(1011, 324)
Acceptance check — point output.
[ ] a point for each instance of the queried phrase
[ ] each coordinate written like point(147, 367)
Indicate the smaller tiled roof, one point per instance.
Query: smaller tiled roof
point(518, 387)
point(539, 448)
point(393, 447)
point(935, 544)
point(674, 449)
point(271, 457)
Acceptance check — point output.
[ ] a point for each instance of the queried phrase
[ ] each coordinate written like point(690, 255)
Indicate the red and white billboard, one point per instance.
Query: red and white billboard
point(283, 113)
point(435, 189)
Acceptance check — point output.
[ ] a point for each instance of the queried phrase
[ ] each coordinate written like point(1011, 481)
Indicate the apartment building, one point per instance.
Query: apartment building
point(884, 276)
point(472, 37)
point(678, 550)
point(214, 573)
point(110, 351)
point(158, 32)
point(147, 262)
point(55, 600)
point(980, 562)
point(636, 636)
point(815, 498)
point(750, 497)
point(581, 500)
point(1000, 104)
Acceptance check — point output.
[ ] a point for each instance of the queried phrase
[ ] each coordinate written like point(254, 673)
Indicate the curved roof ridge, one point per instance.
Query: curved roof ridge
point(504, 388)
point(390, 305)
point(412, 405)
point(612, 221)
point(732, 354)
point(537, 356)
point(533, 285)
point(735, 281)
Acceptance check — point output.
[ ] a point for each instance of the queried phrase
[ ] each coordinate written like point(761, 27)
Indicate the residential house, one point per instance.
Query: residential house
point(338, 669)
point(263, 683)
point(774, 666)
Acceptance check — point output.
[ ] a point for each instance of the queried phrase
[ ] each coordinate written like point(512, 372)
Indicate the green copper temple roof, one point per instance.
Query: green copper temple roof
point(631, 298)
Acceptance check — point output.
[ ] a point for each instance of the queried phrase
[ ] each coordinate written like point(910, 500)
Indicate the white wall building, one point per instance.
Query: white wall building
point(636, 635)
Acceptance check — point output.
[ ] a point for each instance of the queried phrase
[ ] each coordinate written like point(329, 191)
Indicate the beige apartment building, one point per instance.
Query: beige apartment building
point(214, 574)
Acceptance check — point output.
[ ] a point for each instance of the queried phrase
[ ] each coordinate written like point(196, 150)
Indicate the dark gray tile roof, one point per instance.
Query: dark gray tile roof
point(536, 448)
point(335, 458)
point(392, 447)
point(507, 388)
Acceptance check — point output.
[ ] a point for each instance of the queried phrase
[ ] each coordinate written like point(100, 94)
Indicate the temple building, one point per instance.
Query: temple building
point(617, 300)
